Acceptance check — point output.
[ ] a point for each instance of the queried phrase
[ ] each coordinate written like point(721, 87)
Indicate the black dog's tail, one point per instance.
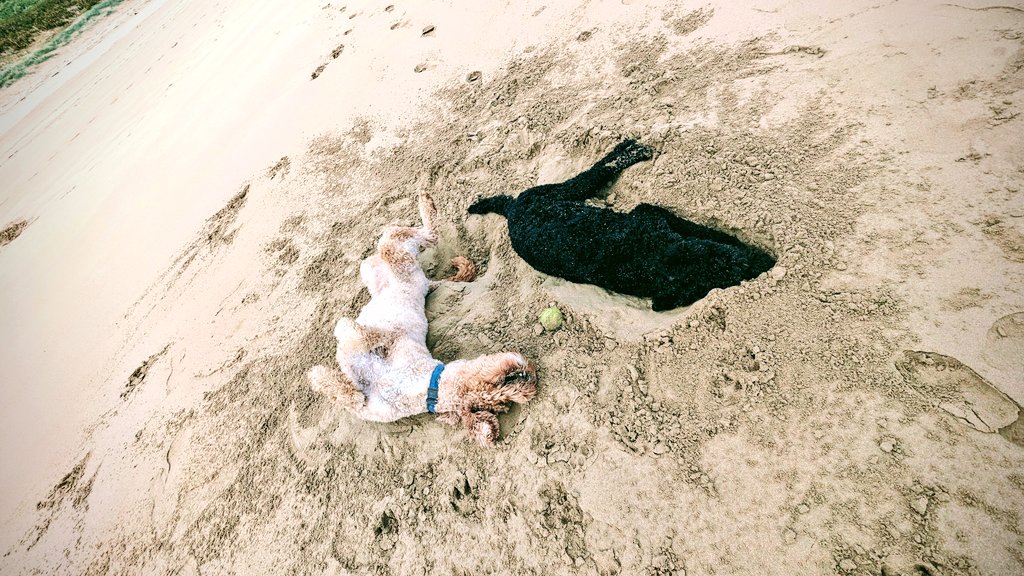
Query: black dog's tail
point(496, 204)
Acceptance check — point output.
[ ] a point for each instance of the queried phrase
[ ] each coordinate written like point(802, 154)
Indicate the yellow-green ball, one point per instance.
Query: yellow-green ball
point(551, 318)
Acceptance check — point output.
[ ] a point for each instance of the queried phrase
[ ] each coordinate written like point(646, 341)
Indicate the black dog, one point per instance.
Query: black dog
point(649, 252)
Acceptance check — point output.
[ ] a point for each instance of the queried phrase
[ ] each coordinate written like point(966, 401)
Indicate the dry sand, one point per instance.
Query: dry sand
point(855, 411)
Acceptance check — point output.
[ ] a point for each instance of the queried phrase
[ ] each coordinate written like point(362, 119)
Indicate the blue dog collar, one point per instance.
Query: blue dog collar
point(435, 379)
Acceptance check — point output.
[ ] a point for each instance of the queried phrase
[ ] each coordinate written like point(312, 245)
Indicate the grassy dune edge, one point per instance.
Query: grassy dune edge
point(19, 29)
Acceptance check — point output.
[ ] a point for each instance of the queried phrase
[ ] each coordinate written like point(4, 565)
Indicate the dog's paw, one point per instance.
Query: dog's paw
point(318, 377)
point(483, 427)
point(428, 212)
point(629, 152)
point(623, 146)
point(425, 201)
point(346, 330)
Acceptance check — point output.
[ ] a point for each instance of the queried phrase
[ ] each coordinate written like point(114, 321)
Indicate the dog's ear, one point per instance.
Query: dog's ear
point(482, 426)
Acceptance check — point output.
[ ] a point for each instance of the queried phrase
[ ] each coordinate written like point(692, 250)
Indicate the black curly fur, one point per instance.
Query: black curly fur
point(648, 252)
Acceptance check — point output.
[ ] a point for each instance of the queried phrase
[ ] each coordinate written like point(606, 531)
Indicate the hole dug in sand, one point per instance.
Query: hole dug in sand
point(620, 316)
point(613, 267)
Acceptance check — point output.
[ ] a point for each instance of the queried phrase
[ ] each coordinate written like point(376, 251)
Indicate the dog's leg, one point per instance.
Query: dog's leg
point(333, 384)
point(482, 426)
point(354, 339)
point(399, 245)
point(590, 182)
point(374, 274)
point(465, 270)
point(428, 219)
point(397, 248)
point(684, 227)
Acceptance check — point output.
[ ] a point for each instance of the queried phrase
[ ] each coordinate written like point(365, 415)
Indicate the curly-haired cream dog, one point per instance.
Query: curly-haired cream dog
point(387, 372)
point(648, 252)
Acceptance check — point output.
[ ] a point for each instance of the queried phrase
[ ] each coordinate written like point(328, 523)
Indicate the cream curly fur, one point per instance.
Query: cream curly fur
point(384, 362)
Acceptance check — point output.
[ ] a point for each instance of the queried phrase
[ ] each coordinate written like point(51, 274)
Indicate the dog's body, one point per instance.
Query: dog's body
point(386, 368)
point(648, 252)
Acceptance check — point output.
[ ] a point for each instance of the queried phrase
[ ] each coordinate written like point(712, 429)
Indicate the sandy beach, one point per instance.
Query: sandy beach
point(187, 189)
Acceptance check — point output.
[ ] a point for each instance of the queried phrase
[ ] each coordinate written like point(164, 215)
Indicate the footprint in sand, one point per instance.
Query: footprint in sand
point(964, 393)
point(300, 439)
point(12, 231)
point(70, 487)
point(1004, 343)
point(334, 55)
point(139, 375)
point(282, 167)
point(1005, 236)
point(462, 498)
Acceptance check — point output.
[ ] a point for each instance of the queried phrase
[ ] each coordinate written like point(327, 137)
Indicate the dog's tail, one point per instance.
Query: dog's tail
point(496, 204)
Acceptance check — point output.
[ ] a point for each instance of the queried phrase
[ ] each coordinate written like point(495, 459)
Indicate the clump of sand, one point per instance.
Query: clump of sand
point(12, 231)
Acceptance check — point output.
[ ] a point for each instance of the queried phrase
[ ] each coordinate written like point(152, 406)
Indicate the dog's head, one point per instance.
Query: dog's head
point(476, 390)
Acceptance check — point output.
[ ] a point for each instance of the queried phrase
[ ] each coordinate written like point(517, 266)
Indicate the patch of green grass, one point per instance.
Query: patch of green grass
point(9, 8)
point(19, 69)
point(21, 21)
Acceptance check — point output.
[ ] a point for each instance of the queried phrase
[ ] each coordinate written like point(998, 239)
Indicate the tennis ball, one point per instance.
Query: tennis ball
point(551, 318)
